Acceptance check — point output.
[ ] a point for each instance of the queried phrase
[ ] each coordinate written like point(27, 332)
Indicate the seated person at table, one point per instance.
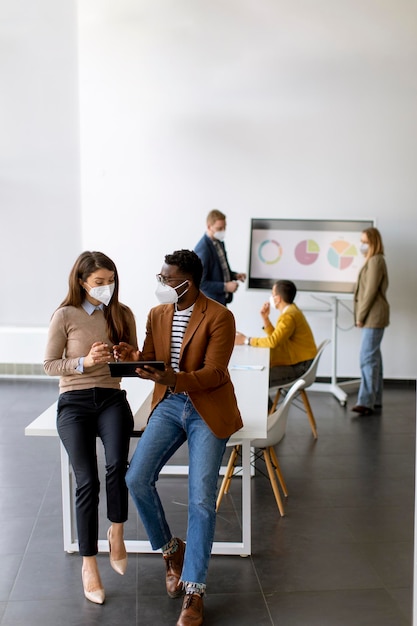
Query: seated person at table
point(291, 342)
point(193, 401)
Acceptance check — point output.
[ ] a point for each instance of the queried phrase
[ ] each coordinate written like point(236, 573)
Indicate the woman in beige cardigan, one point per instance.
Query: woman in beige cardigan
point(371, 311)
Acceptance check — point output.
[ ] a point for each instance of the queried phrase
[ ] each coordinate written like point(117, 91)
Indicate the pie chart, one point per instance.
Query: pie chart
point(341, 254)
point(270, 251)
point(307, 251)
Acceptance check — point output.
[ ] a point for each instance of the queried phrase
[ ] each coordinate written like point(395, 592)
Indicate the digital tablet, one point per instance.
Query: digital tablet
point(119, 369)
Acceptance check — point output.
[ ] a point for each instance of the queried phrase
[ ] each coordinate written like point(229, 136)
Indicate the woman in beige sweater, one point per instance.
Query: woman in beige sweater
point(371, 311)
point(82, 333)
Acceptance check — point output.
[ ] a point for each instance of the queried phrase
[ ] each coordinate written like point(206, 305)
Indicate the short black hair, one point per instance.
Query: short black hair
point(286, 289)
point(188, 262)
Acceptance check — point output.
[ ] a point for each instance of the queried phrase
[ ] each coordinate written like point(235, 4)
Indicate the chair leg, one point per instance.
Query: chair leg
point(278, 470)
point(227, 478)
point(275, 402)
point(273, 480)
point(309, 413)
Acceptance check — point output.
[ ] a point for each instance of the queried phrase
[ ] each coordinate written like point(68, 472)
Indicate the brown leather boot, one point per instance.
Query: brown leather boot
point(174, 564)
point(192, 610)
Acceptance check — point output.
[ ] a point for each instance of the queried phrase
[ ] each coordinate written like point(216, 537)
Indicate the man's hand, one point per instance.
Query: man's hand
point(125, 352)
point(241, 276)
point(265, 310)
point(240, 339)
point(166, 377)
point(231, 286)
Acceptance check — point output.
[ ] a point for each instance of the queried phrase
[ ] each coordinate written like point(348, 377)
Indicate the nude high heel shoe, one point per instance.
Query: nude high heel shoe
point(120, 565)
point(97, 595)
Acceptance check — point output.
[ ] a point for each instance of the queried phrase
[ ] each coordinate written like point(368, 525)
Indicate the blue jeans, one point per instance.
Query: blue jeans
point(173, 422)
point(370, 390)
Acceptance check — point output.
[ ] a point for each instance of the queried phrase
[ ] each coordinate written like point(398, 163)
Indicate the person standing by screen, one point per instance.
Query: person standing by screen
point(91, 404)
point(371, 311)
point(219, 282)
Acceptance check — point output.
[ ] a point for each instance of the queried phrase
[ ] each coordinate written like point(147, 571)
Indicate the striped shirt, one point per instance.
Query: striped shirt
point(179, 326)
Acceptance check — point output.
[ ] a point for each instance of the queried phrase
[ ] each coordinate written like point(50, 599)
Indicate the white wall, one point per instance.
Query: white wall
point(259, 108)
point(39, 156)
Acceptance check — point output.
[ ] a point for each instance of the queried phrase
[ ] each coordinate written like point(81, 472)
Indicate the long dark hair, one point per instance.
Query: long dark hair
point(116, 314)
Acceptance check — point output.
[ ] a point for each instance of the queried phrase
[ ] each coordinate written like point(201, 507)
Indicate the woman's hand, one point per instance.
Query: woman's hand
point(99, 353)
point(125, 352)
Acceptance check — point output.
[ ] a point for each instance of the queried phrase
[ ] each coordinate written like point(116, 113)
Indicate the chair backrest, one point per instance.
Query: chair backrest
point(310, 375)
point(277, 421)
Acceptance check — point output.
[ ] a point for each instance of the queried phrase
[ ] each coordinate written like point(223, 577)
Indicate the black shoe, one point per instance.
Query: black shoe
point(362, 410)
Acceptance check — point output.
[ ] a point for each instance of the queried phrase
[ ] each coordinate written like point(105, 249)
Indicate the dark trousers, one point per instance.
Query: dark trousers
point(284, 374)
point(82, 417)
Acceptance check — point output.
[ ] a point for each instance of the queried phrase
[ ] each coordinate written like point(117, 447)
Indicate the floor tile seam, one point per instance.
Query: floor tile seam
point(261, 591)
point(36, 519)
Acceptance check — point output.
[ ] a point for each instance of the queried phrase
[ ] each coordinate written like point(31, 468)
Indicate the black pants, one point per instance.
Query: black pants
point(283, 374)
point(82, 417)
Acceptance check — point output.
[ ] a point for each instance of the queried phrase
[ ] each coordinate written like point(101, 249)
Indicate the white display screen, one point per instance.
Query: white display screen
point(317, 255)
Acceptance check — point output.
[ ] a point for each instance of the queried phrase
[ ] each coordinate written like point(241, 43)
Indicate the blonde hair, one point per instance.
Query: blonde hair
point(215, 215)
point(375, 241)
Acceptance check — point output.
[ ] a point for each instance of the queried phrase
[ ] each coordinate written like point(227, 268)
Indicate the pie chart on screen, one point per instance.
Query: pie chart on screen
point(341, 254)
point(270, 251)
point(307, 252)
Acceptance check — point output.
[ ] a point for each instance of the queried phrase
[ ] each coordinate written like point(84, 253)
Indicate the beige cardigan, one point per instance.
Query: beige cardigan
point(371, 307)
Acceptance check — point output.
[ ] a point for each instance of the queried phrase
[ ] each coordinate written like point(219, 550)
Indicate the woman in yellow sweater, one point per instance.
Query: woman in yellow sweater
point(82, 332)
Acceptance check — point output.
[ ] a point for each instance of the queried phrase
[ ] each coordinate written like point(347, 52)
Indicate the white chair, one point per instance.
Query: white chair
point(140, 418)
point(276, 426)
point(309, 377)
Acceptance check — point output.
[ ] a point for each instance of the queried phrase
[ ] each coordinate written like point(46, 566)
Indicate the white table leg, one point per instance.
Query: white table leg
point(242, 548)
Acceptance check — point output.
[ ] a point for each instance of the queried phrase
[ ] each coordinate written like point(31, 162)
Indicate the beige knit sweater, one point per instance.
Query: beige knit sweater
point(71, 333)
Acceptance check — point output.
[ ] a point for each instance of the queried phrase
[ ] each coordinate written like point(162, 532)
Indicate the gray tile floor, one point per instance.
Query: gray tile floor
point(342, 556)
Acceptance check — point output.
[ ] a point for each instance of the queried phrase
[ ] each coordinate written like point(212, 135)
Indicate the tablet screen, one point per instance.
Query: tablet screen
point(120, 369)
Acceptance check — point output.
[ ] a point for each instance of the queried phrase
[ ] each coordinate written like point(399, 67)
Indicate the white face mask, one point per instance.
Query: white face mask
point(167, 294)
point(103, 293)
point(272, 302)
point(219, 235)
point(364, 248)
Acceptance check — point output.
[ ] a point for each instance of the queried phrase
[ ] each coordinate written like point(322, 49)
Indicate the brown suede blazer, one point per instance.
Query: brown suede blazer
point(206, 349)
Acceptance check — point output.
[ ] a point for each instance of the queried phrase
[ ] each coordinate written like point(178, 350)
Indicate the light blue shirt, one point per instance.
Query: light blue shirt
point(88, 308)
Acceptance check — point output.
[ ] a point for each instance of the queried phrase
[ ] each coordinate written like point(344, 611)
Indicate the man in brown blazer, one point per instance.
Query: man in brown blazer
point(193, 400)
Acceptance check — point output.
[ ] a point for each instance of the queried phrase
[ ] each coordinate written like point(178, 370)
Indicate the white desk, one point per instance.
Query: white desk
point(249, 370)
